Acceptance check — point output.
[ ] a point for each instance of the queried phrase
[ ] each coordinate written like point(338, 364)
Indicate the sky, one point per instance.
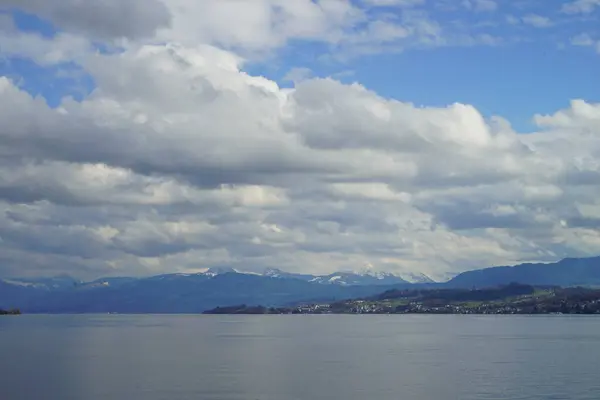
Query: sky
point(140, 137)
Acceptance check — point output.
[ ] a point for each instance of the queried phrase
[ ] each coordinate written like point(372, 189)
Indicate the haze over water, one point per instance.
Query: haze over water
point(299, 357)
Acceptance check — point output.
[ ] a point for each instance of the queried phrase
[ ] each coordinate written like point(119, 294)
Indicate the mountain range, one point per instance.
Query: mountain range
point(565, 273)
point(197, 292)
point(173, 293)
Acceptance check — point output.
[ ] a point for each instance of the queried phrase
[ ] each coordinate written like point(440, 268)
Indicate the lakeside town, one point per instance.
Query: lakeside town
point(10, 312)
point(510, 299)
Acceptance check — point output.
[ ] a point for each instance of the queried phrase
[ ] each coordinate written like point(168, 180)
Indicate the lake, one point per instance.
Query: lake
point(282, 357)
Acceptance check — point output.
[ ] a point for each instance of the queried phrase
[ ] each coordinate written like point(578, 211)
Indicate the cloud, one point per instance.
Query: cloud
point(398, 3)
point(102, 19)
point(180, 159)
point(255, 30)
point(62, 48)
point(512, 20)
point(534, 20)
point(580, 115)
point(297, 74)
point(188, 155)
point(348, 29)
point(480, 5)
point(260, 25)
point(6, 22)
point(585, 40)
point(537, 21)
point(580, 6)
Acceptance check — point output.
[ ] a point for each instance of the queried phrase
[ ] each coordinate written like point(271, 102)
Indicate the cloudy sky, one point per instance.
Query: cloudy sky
point(147, 136)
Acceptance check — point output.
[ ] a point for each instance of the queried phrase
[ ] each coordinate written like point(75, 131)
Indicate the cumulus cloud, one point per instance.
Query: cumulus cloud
point(254, 29)
point(400, 3)
point(580, 6)
point(582, 39)
point(260, 25)
point(179, 159)
point(537, 21)
point(100, 19)
point(480, 5)
point(44, 51)
point(586, 40)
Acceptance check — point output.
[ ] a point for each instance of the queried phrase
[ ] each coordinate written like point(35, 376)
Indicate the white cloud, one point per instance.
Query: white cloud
point(511, 19)
point(187, 155)
point(298, 74)
point(580, 6)
point(582, 39)
point(6, 22)
point(179, 159)
point(480, 5)
point(100, 18)
point(537, 21)
point(398, 3)
point(586, 40)
point(580, 115)
point(260, 25)
point(62, 48)
point(254, 29)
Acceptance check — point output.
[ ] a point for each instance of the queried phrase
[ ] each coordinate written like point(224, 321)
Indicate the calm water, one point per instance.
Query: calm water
point(299, 357)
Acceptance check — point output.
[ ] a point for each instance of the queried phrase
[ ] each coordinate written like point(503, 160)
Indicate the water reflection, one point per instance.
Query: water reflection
point(299, 357)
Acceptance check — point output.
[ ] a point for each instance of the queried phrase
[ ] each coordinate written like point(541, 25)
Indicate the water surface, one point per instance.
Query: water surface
point(298, 357)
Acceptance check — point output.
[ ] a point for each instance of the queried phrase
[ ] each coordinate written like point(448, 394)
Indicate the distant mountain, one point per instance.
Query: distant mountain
point(175, 293)
point(567, 272)
point(15, 295)
point(277, 273)
point(105, 282)
point(366, 277)
point(52, 283)
point(196, 292)
point(356, 279)
point(415, 277)
point(219, 271)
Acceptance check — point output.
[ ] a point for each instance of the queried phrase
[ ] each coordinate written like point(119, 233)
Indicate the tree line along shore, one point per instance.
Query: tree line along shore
point(509, 299)
point(10, 312)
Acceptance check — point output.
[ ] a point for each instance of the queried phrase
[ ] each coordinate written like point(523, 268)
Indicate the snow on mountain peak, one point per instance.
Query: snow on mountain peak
point(369, 271)
point(273, 272)
point(418, 277)
point(363, 276)
point(214, 271)
point(408, 276)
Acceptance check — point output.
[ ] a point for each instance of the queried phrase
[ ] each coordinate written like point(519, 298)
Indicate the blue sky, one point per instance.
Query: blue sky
point(513, 81)
point(51, 82)
point(198, 135)
point(531, 70)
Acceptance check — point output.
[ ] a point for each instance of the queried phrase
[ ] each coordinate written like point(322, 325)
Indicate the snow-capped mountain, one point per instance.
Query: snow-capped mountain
point(219, 271)
point(277, 273)
point(355, 279)
point(51, 283)
point(194, 292)
point(366, 277)
point(412, 277)
point(106, 282)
